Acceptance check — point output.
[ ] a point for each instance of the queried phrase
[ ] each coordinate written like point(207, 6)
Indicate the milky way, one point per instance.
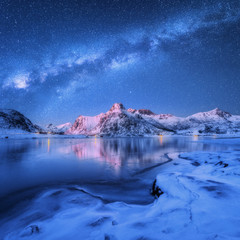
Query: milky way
point(60, 58)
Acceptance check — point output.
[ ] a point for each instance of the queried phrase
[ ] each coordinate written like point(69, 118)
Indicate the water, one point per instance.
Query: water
point(111, 168)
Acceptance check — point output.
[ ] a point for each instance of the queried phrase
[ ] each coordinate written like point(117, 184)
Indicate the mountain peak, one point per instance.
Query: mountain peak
point(146, 112)
point(49, 125)
point(12, 119)
point(220, 113)
point(131, 110)
point(215, 110)
point(215, 113)
point(141, 111)
point(116, 107)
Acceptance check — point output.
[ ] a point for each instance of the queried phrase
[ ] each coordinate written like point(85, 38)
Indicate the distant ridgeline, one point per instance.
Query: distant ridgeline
point(15, 122)
point(119, 121)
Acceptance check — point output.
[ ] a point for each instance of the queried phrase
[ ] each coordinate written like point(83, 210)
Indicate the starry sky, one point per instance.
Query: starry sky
point(60, 59)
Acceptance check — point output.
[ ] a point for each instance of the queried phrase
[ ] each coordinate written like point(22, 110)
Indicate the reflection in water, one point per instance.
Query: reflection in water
point(127, 154)
point(161, 140)
point(48, 144)
point(195, 137)
point(118, 152)
point(27, 162)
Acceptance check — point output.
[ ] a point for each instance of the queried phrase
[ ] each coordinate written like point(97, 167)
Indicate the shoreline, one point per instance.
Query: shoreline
point(60, 136)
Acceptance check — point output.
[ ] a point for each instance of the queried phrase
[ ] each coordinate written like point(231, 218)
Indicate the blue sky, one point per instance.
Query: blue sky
point(60, 59)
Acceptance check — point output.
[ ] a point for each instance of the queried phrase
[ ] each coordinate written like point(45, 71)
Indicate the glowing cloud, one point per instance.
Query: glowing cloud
point(19, 81)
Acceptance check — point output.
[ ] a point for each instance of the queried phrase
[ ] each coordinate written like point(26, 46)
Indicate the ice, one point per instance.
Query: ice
point(200, 200)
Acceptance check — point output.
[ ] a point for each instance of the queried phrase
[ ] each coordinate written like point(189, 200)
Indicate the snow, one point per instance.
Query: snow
point(117, 107)
point(200, 200)
point(18, 134)
point(84, 124)
point(58, 129)
point(14, 120)
point(91, 122)
point(4, 131)
point(64, 127)
point(119, 121)
point(215, 114)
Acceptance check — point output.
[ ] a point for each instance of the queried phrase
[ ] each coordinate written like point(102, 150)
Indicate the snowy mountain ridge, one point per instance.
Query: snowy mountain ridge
point(210, 115)
point(84, 124)
point(50, 128)
point(14, 121)
point(119, 121)
point(116, 122)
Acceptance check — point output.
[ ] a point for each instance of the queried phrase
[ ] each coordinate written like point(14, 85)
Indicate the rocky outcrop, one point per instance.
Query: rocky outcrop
point(14, 120)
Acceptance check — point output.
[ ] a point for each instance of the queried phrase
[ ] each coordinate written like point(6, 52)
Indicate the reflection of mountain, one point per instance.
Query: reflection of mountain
point(131, 153)
point(118, 152)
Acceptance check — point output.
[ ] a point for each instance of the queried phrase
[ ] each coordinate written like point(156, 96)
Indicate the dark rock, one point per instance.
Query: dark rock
point(196, 164)
point(219, 163)
point(99, 222)
point(156, 190)
point(30, 230)
point(146, 112)
point(114, 223)
point(210, 188)
point(107, 237)
point(34, 228)
point(225, 165)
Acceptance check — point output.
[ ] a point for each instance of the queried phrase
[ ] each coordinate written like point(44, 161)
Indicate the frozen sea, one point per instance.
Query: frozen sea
point(100, 188)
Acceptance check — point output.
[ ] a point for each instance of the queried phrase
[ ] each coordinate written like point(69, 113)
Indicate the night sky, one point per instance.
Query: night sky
point(60, 59)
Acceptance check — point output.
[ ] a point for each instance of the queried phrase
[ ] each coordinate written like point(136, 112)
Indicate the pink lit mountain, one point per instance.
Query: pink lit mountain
point(119, 121)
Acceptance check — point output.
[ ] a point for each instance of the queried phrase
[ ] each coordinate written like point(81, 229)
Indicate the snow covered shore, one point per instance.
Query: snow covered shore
point(200, 200)
point(26, 135)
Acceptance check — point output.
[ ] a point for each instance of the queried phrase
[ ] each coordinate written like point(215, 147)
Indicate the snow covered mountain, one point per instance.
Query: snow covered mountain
point(214, 121)
point(14, 121)
point(119, 121)
point(58, 129)
point(213, 115)
point(64, 127)
point(84, 124)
